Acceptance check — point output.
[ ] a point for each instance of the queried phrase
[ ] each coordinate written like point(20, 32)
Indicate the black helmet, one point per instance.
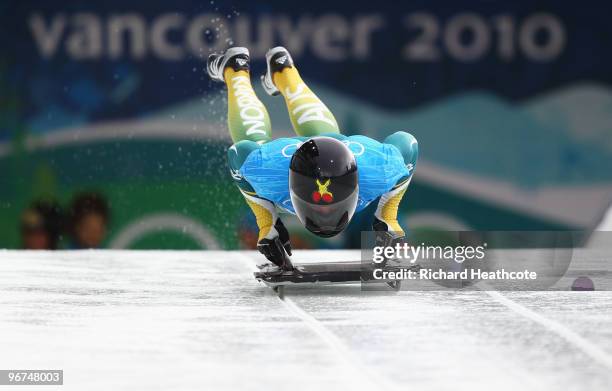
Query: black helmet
point(324, 185)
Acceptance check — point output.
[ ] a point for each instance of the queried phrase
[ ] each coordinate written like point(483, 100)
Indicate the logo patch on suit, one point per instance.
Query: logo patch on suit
point(323, 194)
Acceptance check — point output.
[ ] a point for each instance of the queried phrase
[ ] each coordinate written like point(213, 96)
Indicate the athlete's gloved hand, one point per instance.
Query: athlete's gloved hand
point(385, 237)
point(276, 246)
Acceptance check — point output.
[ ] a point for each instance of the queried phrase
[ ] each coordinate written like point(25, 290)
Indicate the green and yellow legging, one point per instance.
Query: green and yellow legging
point(249, 126)
point(248, 118)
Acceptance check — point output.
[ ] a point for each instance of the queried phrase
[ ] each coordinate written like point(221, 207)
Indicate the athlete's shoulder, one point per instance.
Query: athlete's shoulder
point(280, 148)
point(380, 166)
point(365, 141)
point(283, 141)
point(362, 138)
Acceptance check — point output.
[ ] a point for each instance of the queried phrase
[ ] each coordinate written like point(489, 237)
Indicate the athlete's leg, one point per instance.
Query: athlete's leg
point(247, 117)
point(309, 115)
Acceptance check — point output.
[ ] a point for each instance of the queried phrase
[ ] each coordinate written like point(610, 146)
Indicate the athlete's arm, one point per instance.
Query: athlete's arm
point(385, 217)
point(273, 238)
point(389, 231)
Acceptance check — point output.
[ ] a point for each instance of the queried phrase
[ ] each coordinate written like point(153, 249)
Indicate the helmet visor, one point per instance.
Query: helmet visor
point(322, 219)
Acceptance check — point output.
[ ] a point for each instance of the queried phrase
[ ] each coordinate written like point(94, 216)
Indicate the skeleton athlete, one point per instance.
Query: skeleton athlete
point(321, 175)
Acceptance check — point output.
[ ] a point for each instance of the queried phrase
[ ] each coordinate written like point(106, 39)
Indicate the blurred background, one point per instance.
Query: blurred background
point(113, 136)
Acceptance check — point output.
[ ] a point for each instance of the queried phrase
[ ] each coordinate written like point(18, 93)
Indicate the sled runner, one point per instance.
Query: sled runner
point(328, 273)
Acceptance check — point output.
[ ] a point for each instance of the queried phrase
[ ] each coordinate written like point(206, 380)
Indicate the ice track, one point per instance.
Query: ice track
point(115, 320)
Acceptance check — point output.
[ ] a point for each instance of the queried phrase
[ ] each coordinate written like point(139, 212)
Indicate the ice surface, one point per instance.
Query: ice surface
point(116, 320)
